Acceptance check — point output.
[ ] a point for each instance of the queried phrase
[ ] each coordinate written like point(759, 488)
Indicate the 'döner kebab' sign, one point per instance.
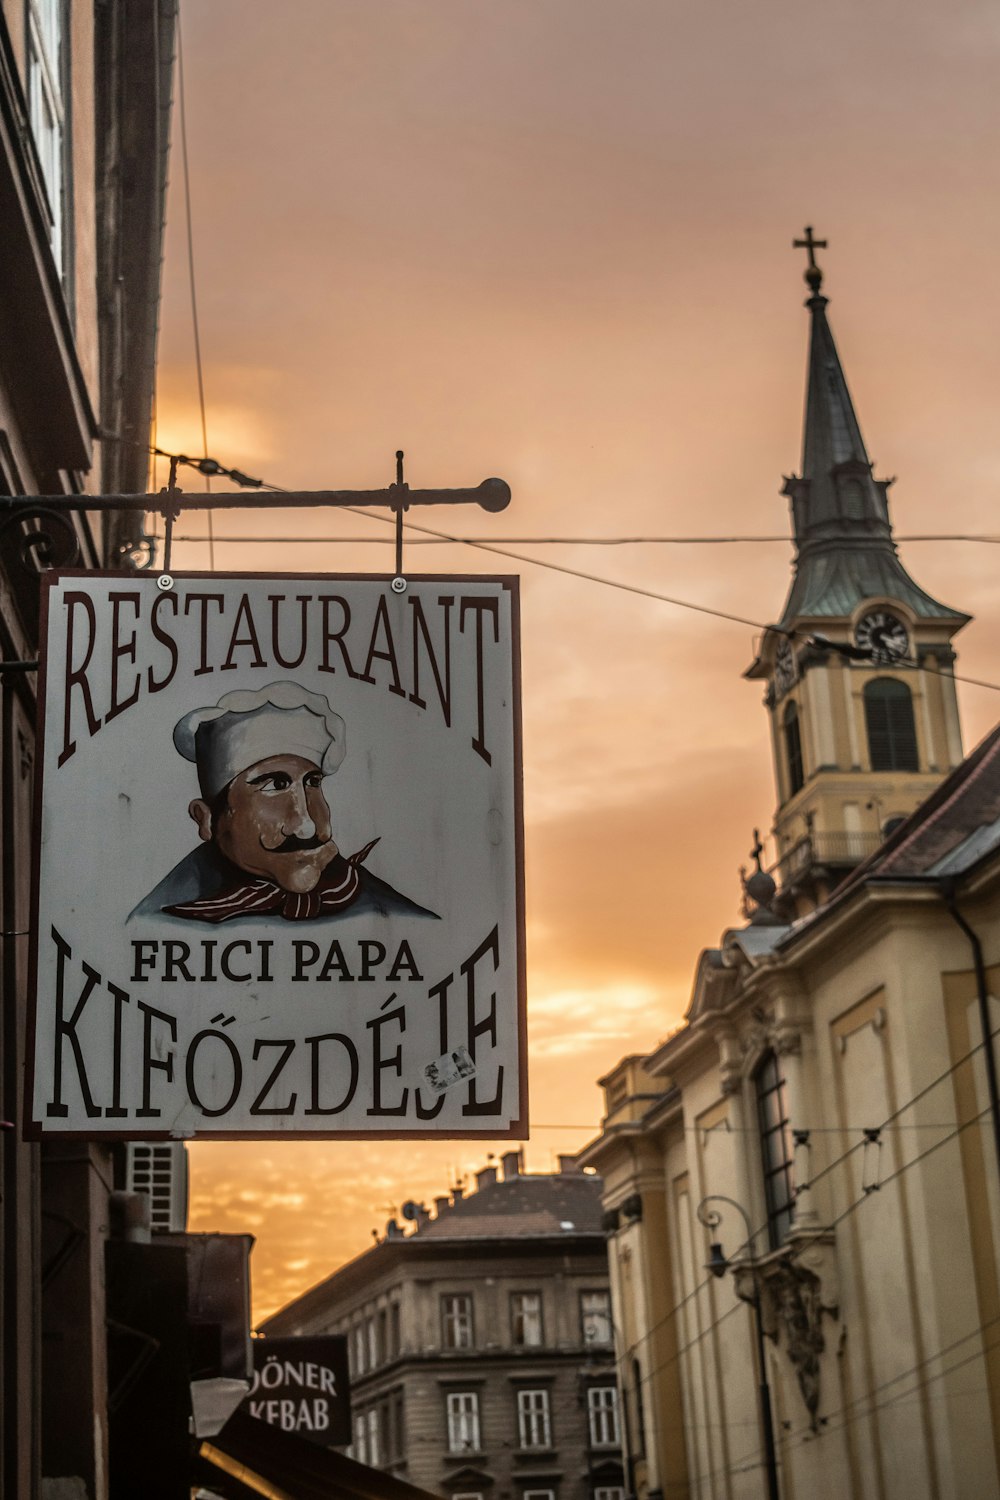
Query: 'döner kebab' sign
point(279, 858)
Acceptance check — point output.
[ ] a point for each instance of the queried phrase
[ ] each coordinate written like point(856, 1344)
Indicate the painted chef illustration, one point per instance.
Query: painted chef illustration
point(267, 848)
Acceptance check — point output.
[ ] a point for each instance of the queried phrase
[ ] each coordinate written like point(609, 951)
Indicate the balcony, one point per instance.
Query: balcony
point(829, 851)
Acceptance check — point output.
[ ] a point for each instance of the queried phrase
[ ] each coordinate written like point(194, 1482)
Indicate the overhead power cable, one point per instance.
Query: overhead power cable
point(806, 1434)
point(578, 541)
point(631, 588)
point(191, 275)
point(819, 1176)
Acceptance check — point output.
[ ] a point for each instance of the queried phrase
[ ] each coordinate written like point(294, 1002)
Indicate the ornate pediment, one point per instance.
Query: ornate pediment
point(467, 1479)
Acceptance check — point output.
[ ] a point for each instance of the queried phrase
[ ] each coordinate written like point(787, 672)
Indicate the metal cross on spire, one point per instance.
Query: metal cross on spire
point(813, 274)
point(758, 848)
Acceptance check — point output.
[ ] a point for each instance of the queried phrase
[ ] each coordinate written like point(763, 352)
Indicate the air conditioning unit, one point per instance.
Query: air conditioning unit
point(160, 1170)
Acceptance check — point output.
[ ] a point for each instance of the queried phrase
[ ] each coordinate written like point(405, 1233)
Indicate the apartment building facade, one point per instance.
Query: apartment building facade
point(481, 1342)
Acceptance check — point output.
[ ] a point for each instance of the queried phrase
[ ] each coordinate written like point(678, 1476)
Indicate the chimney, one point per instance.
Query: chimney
point(486, 1178)
point(423, 1217)
point(458, 1192)
point(512, 1163)
point(441, 1205)
point(393, 1230)
point(568, 1166)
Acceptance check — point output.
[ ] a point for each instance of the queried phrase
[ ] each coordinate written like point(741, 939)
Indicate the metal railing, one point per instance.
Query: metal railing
point(833, 849)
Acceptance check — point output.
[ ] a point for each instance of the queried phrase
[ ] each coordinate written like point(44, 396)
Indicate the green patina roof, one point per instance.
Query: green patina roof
point(840, 515)
point(832, 583)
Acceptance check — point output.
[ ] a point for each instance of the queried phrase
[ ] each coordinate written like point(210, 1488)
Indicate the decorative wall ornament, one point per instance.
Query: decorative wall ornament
point(632, 1207)
point(787, 1042)
point(45, 538)
point(758, 1037)
point(730, 1064)
point(797, 1285)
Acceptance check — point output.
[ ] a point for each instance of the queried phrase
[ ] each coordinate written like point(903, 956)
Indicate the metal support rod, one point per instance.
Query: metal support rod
point(764, 1391)
point(399, 507)
point(718, 1267)
point(492, 495)
point(18, 1210)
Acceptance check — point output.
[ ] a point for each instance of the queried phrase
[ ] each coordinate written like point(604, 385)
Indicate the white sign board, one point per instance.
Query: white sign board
point(279, 885)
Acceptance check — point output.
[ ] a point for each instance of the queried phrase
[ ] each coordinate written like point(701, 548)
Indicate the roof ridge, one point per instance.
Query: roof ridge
point(973, 767)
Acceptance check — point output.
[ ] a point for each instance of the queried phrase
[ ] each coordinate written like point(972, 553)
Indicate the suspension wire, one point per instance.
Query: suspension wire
point(597, 541)
point(628, 588)
point(191, 276)
point(825, 1172)
point(806, 1434)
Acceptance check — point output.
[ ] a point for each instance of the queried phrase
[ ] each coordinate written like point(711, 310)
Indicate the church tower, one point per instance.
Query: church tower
point(858, 668)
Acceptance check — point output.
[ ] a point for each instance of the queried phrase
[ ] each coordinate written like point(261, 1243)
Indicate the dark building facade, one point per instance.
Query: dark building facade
point(481, 1343)
point(84, 107)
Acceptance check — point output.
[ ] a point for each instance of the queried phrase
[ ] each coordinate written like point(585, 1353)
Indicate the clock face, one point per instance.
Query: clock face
point(884, 635)
point(785, 670)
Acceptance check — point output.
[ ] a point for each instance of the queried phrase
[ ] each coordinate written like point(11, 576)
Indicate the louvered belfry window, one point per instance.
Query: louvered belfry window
point(892, 733)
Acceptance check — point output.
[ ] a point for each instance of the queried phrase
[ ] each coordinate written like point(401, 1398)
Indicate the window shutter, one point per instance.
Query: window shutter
point(892, 732)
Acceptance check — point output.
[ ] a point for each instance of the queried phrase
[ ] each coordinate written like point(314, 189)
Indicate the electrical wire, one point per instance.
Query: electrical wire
point(830, 1167)
point(830, 1425)
point(191, 275)
point(584, 541)
point(703, 609)
point(807, 1434)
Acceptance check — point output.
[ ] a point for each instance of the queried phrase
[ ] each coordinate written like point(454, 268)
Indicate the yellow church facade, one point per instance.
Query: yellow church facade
point(802, 1184)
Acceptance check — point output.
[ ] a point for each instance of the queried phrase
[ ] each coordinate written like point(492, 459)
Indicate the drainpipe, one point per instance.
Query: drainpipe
point(948, 894)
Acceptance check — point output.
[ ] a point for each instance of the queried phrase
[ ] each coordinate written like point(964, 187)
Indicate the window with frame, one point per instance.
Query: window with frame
point(395, 1339)
point(371, 1336)
point(602, 1416)
point(46, 43)
point(360, 1445)
point(463, 1421)
point(359, 1350)
point(792, 727)
point(534, 1425)
point(526, 1319)
point(889, 722)
point(776, 1148)
point(456, 1321)
point(374, 1436)
point(399, 1425)
point(595, 1317)
point(539, 1495)
point(609, 1492)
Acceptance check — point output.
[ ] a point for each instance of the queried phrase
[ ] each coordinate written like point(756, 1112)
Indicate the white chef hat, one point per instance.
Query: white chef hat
point(244, 728)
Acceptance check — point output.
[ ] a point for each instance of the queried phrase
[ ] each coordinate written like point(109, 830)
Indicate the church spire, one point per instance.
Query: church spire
point(859, 687)
point(840, 512)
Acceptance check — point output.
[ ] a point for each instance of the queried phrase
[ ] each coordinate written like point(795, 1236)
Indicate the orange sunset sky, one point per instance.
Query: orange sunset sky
point(551, 240)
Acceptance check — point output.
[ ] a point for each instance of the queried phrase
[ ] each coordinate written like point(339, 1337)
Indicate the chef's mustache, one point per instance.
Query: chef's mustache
point(292, 844)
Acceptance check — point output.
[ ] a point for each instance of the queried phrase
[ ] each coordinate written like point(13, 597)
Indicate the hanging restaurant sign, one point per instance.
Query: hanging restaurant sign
point(279, 858)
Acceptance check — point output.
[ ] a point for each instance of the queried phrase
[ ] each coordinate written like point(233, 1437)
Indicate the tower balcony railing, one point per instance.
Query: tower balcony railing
point(833, 850)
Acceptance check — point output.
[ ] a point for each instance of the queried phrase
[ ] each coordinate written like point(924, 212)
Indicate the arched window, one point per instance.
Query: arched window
point(793, 749)
point(775, 1148)
point(892, 733)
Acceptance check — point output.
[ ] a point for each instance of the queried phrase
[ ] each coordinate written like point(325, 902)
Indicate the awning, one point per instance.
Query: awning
point(250, 1458)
